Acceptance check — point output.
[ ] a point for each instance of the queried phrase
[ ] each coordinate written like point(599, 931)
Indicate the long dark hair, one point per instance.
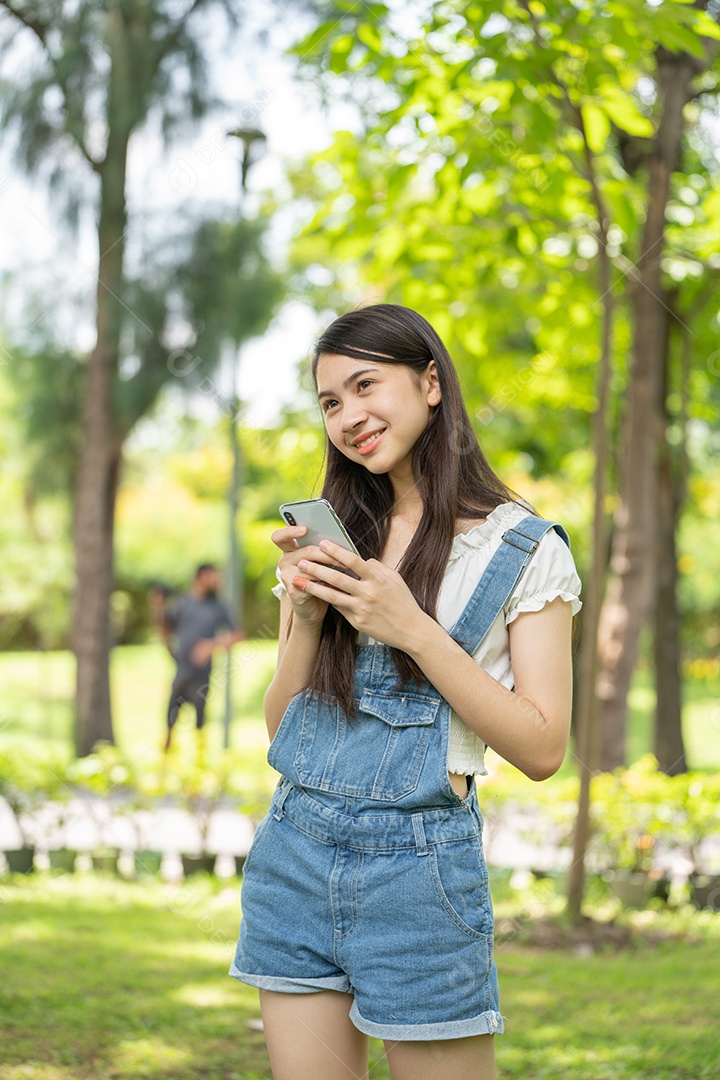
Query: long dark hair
point(452, 475)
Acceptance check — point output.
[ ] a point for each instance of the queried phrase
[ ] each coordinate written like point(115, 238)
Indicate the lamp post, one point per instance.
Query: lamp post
point(235, 592)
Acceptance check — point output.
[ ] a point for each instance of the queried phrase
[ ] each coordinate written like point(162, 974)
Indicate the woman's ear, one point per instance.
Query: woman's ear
point(433, 384)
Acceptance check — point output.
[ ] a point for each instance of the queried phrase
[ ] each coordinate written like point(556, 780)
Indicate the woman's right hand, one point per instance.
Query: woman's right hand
point(308, 608)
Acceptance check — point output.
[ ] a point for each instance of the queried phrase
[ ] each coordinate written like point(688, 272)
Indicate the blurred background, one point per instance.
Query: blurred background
point(190, 192)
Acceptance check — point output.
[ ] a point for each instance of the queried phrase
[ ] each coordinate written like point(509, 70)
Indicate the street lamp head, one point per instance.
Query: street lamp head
point(249, 137)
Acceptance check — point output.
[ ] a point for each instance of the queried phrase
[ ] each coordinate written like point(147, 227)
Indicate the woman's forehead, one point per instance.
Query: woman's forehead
point(334, 368)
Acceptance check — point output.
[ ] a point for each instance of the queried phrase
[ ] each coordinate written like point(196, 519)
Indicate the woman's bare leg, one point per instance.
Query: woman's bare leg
point(310, 1036)
point(470, 1058)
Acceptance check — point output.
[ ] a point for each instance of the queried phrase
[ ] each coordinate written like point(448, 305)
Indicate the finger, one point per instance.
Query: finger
point(339, 579)
point(311, 553)
point(323, 592)
point(286, 539)
point(343, 556)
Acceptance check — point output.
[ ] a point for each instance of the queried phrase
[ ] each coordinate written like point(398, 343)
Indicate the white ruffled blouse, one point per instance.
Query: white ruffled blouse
point(550, 573)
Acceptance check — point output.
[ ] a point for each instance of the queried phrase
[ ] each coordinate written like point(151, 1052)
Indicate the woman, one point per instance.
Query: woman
point(366, 908)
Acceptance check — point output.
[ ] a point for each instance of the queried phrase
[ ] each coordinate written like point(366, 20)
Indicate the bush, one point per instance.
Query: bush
point(25, 783)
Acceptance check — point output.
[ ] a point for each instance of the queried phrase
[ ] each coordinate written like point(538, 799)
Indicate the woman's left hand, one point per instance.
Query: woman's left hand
point(377, 601)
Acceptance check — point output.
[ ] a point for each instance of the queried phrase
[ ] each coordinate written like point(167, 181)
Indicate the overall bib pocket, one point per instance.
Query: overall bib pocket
point(383, 763)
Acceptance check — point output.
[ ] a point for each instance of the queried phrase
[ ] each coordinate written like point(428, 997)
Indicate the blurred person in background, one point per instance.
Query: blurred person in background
point(193, 627)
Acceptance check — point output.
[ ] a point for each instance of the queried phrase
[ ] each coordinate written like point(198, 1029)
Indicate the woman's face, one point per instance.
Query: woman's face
point(375, 413)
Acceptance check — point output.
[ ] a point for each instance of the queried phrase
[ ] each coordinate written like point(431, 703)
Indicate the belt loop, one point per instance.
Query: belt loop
point(279, 800)
point(419, 830)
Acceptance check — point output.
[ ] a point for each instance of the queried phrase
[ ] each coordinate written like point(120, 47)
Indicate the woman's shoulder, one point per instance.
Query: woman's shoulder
point(552, 565)
point(478, 534)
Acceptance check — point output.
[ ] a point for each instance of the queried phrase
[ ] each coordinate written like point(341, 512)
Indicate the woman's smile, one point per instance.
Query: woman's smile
point(367, 443)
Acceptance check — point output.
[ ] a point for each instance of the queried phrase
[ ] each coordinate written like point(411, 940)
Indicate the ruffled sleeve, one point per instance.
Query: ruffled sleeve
point(551, 573)
point(279, 589)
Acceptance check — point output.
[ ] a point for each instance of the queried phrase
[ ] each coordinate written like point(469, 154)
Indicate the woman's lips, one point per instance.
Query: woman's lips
point(368, 447)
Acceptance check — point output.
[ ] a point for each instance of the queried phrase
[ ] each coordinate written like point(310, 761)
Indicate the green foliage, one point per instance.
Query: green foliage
point(487, 139)
point(228, 288)
point(24, 784)
point(98, 74)
point(99, 71)
point(497, 144)
point(201, 786)
point(638, 814)
point(103, 771)
point(172, 510)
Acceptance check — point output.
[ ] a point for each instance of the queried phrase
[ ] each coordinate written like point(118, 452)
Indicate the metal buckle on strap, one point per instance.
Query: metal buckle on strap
point(532, 540)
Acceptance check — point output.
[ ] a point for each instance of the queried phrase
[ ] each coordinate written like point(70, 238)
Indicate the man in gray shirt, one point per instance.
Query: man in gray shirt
point(195, 622)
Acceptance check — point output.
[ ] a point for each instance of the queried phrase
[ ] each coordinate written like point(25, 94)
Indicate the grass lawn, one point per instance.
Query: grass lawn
point(109, 980)
point(102, 979)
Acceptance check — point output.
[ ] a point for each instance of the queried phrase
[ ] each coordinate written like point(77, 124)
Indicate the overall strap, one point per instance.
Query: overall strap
point(500, 579)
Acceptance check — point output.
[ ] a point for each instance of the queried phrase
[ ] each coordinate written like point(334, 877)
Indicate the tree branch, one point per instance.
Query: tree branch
point(38, 27)
point(173, 35)
point(40, 30)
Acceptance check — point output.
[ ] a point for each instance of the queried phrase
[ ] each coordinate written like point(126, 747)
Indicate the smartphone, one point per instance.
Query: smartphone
point(322, 523)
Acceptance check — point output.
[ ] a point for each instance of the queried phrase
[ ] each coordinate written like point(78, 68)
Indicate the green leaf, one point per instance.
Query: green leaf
point(680, 39)
point(597, 127)
point(623, 111)
point(369, 36)
point(705, 25)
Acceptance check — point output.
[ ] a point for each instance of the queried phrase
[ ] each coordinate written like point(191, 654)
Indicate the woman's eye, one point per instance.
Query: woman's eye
point(364, 382)
point(328, 404)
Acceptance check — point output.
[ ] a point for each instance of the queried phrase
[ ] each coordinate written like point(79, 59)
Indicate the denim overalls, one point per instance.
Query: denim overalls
point(367, 875)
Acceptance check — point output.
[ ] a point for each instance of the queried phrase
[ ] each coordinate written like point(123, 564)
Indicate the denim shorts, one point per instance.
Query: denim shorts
point(391, 907)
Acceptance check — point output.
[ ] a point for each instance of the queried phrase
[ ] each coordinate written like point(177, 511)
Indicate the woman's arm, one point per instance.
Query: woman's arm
point(297, 649)
point(528, 727)
point(301, 619)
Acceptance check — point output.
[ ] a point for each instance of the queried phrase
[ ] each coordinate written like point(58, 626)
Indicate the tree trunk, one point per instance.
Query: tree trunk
point(587, 733)
point(99, 460)
point(629, 597)
point(668, 747)
point(587, 738)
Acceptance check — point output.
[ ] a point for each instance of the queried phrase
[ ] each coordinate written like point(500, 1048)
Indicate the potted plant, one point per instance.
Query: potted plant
point(23, 786)
point(60, 796)
point(148, 783)
point(247, 793)
point(201, 788)
point(697, 797)
point(252, 803)
point(102, 772)
point(628, 806)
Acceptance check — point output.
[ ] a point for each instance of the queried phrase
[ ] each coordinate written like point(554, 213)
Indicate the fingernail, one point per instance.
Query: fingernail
point(300, 583)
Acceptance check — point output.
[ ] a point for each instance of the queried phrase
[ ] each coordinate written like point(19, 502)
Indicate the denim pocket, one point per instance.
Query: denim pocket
point(460, 881)
point(380, 756)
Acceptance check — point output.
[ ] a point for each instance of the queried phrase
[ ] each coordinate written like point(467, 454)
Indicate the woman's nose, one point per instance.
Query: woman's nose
point(353, 416)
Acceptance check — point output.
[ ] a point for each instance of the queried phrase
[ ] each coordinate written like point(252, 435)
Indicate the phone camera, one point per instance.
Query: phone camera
point(289, 518)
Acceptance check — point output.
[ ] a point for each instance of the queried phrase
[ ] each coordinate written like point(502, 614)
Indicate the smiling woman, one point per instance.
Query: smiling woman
point(451, 634)
point(377, 405)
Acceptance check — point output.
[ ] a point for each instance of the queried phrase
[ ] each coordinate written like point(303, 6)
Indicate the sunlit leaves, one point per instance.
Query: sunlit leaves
point(473, 192)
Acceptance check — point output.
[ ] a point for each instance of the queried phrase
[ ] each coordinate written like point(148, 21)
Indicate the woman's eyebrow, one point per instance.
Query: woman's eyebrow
point(350, 379)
